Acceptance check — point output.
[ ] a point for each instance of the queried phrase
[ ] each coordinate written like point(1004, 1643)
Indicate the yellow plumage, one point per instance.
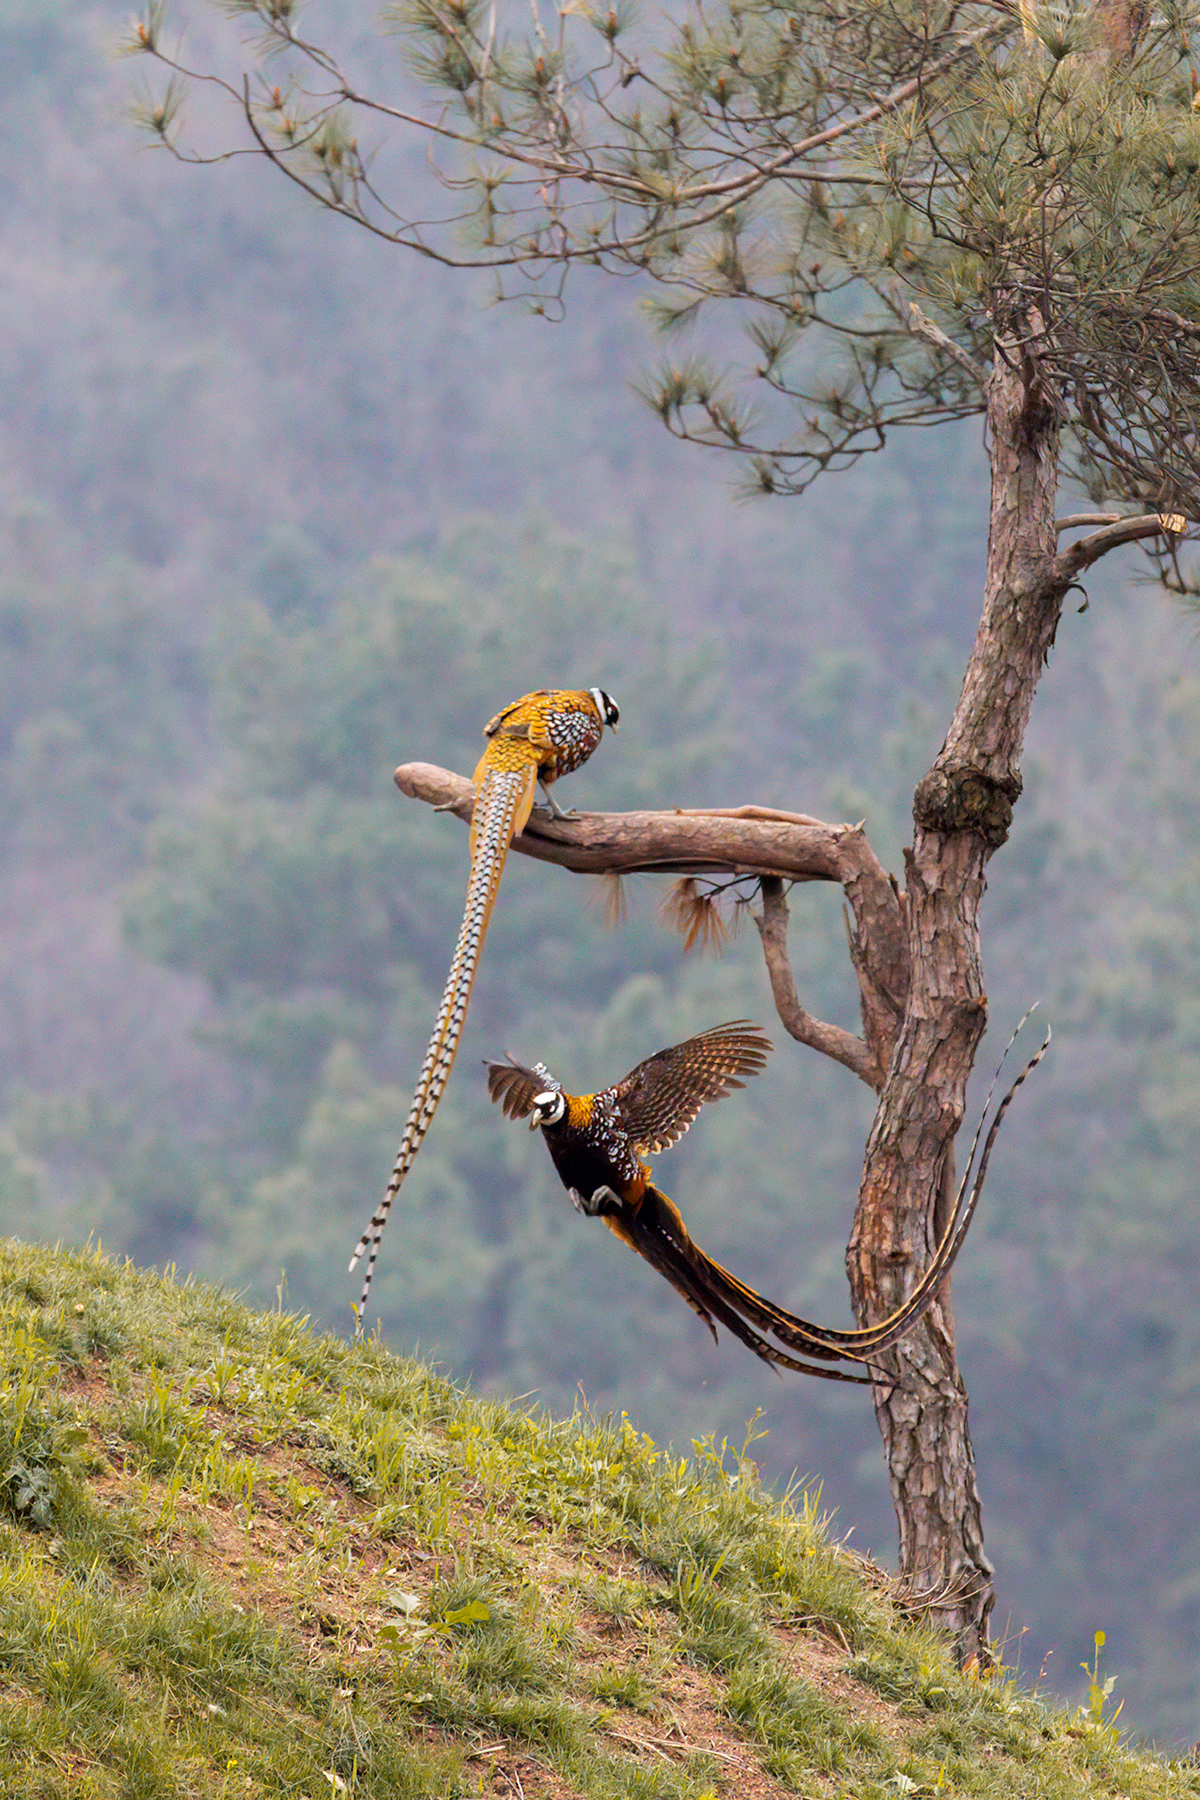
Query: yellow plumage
point(538, 738)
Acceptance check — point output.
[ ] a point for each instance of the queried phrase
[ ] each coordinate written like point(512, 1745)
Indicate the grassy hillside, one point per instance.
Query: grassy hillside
point(241, 1559)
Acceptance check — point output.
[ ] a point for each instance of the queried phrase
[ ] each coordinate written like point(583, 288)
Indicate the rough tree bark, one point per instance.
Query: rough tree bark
point(916, 957)
point(961, 814)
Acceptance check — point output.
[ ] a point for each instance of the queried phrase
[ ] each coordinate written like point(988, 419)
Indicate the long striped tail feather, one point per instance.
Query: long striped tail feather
point(713, 1294)
point(503, 802)
point(886, 1332)
point(658, 1232)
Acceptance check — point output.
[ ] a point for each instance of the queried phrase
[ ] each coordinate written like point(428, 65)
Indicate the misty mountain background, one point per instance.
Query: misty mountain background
point(282, 509)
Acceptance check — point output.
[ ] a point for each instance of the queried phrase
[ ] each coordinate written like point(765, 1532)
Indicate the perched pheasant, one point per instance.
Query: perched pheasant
point(597, 1142)
point(537, 739)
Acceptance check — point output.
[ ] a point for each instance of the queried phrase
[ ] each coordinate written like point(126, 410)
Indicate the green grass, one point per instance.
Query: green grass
point(243, 1560)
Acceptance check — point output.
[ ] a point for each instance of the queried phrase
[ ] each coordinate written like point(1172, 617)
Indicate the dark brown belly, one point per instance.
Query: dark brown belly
point(586, 1168)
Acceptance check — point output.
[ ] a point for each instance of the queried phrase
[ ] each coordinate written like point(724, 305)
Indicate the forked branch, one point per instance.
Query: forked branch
point(774, 847)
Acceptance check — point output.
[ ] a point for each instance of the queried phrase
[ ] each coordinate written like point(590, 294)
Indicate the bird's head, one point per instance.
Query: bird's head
point(607, 707)
point(548, 1108)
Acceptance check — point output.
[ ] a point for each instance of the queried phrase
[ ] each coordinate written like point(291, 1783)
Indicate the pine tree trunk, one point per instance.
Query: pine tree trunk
point(962, 811)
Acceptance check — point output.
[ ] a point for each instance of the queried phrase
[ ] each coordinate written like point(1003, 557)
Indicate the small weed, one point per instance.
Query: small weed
point(891, 1677)
point(715, 1629)
point(622, 1684)
point(41, 1444)
point(618, 1599)
point(221, 1375)
point(793, 1719)
point(1095, 1712)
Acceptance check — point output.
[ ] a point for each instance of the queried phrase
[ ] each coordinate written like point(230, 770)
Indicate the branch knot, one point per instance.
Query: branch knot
point(965, 799)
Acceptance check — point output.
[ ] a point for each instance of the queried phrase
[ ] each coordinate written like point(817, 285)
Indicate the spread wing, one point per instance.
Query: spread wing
point(659, 1099)
point(516, 1087)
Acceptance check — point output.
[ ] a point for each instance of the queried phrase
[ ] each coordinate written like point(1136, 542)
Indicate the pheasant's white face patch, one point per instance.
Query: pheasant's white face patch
point(606, 706)
point(548, 1108)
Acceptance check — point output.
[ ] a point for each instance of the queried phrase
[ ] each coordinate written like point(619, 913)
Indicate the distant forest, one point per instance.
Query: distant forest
point(281, 511)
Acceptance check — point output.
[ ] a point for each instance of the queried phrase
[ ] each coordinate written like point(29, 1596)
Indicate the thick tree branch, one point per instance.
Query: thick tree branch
point(744, 840)
point(852, 1052)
